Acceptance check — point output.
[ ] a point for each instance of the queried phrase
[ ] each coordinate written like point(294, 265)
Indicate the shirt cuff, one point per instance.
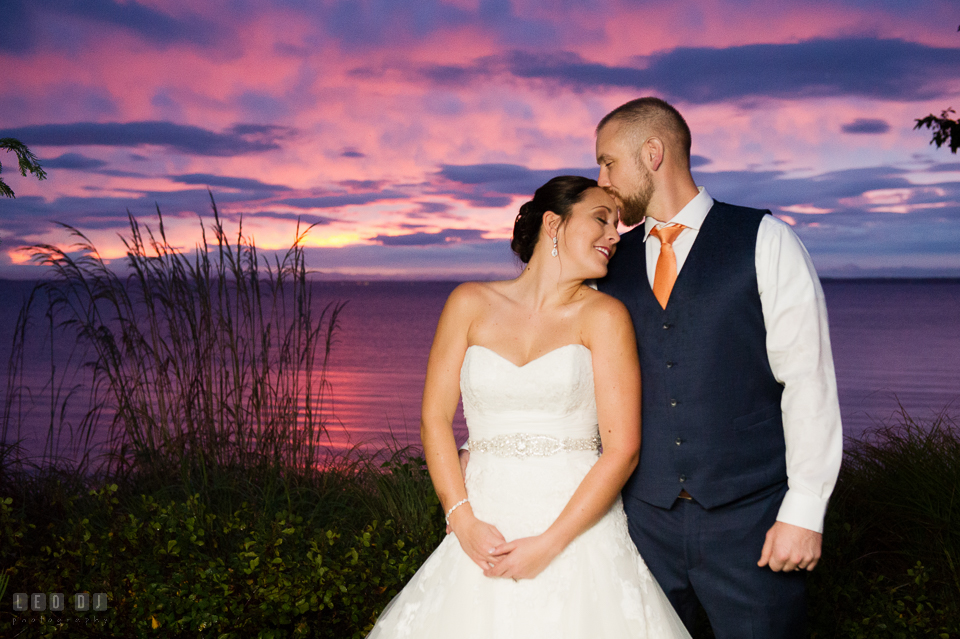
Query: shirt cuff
point(805, 511)
point(466, 446)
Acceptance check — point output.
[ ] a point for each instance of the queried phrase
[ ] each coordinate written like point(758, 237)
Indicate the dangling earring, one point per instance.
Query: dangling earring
point(554, 251)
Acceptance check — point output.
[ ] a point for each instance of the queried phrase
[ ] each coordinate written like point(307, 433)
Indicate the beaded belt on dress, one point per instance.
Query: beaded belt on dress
point(524, 445)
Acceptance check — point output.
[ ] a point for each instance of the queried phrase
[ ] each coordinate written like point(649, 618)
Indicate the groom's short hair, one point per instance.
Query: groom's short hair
point(655, 116)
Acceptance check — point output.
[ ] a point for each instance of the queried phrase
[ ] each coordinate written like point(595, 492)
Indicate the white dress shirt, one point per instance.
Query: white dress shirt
point(798, 347)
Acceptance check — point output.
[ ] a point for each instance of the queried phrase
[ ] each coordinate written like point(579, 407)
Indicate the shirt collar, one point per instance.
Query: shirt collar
point(691, 215)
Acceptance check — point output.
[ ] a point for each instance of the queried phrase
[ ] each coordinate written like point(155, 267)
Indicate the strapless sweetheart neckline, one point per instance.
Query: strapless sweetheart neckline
point(535, 359)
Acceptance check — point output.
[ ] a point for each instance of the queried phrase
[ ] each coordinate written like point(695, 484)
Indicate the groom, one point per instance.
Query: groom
point(741, 425)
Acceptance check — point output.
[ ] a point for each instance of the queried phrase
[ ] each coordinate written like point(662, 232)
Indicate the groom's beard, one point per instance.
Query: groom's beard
point(633, 206)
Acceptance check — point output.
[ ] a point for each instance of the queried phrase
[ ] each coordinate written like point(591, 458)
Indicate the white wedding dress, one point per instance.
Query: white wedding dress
point(533, 437)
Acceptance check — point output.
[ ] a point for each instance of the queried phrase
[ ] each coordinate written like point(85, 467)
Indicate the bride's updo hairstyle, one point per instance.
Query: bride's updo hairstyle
point(558, 195)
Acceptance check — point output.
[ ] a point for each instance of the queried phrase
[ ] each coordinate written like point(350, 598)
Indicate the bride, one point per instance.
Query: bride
point(548, 371)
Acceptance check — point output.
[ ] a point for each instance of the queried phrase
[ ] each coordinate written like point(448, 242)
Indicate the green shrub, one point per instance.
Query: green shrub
point(186, 567)
point(880, 607)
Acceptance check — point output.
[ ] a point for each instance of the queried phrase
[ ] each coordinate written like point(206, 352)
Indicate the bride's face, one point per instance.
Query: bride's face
point(588, 238)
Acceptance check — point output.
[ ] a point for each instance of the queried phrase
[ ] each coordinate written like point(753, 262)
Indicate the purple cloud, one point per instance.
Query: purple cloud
point(192, 140)
point(889, 69)
point(338, 200)
point(446, 236)
point(306, 219)
point(247, 184)
point(770, 189)
point(74, 161)
point(699, 160)
point(24, 22)
point(866, 125)
point(491, 185)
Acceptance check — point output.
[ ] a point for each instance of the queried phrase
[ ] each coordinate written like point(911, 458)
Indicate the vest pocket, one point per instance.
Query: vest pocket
point(756, 418)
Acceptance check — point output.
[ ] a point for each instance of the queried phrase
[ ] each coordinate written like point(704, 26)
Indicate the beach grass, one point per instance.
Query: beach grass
point(892, 535)
point(904, 481)
point(214, 357)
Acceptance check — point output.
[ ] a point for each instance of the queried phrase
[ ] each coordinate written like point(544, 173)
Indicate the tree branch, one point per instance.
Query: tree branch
point(945, 130)
point(28, 163)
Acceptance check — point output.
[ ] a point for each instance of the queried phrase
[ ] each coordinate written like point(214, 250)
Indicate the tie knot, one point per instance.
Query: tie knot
point(667, 234)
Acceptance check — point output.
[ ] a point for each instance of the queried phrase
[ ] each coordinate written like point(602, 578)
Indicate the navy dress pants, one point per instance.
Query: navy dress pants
point(711, 556)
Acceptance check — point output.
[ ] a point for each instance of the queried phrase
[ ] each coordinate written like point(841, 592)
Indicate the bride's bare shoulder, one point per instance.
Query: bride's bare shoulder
point(602, 309)
point(471, 297)
point(607, 327)
point(477, 292)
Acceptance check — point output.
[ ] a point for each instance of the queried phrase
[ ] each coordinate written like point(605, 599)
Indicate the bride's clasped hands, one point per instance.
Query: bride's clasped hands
point(477, 538)
point(523, 558)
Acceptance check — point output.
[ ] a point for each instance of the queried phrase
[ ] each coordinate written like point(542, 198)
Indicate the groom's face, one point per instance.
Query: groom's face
point(622, 174)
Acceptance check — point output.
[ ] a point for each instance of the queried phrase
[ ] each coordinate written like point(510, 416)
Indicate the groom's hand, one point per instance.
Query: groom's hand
point(788, 547)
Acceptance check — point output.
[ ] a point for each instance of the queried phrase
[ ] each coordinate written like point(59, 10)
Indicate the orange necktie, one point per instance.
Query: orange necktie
point(666, 273)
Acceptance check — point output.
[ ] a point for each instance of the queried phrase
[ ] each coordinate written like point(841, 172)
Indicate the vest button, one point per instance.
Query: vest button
point(679, 441)
point(666, 326)
point(674, 402)
point(683, 478)
point(671, 364)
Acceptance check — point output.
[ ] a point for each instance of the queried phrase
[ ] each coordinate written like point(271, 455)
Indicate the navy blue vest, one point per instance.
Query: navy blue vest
point(711, 406)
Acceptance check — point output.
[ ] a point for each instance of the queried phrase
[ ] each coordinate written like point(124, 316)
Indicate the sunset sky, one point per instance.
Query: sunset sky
point(409, 132)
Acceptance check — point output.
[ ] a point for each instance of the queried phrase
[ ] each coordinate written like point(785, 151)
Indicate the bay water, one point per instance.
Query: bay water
point(896, 345)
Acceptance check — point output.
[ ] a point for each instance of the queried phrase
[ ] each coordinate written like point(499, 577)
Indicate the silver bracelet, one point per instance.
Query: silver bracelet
point(454, 507)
